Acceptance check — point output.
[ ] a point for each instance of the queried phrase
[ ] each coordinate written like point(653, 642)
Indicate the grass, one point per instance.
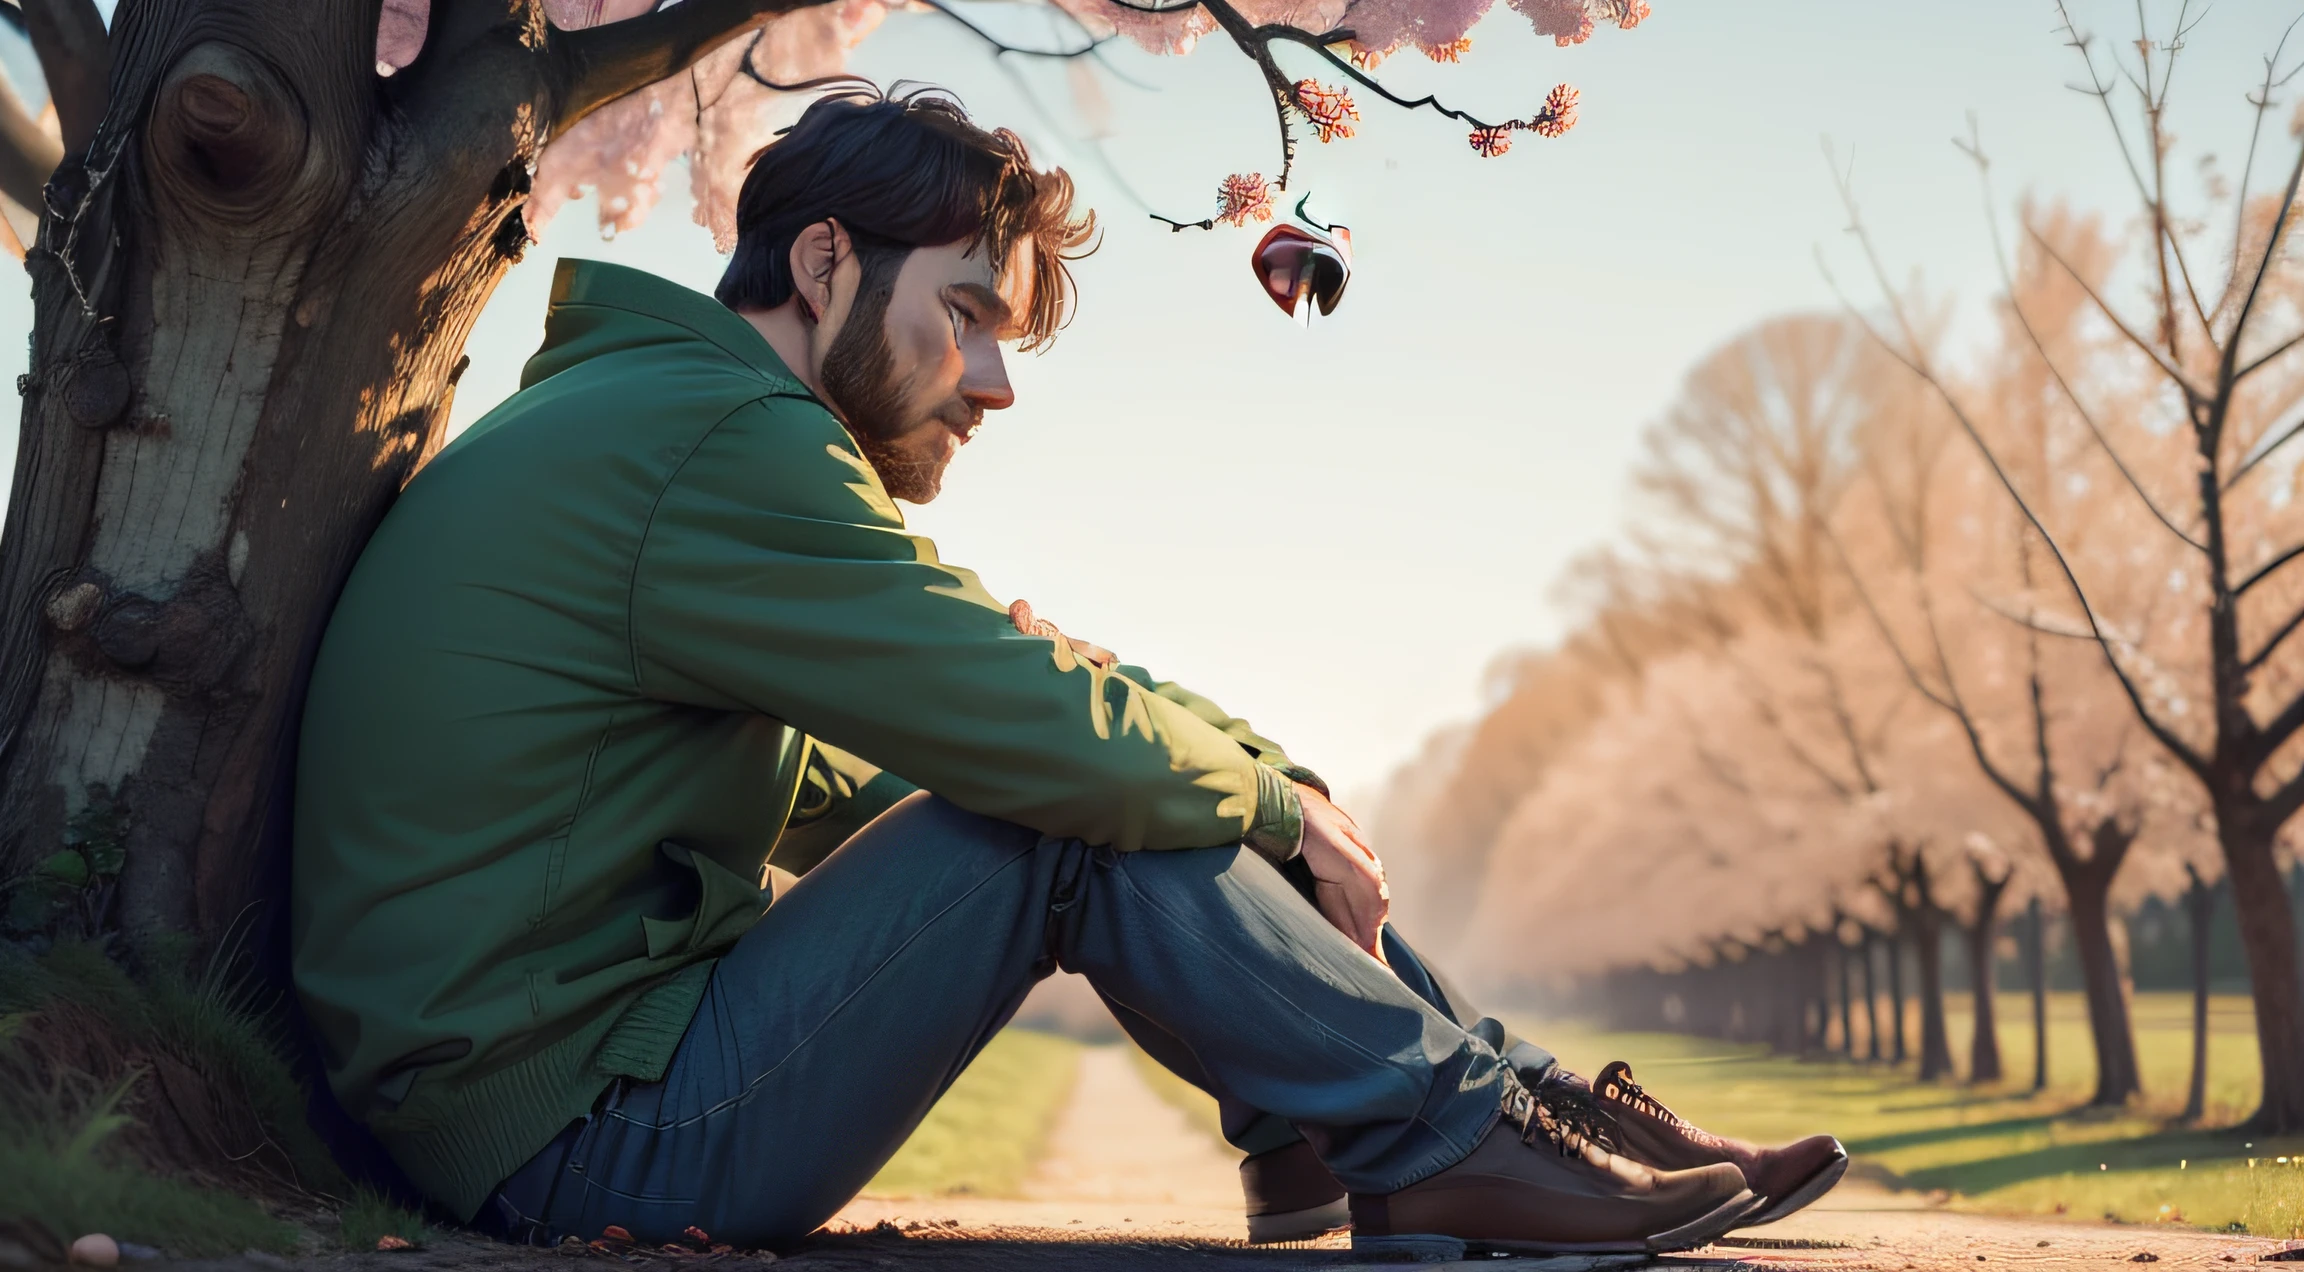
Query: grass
point(2003, 1148)
point(82, 1050)
point(985, 1135)
point(368, 1218)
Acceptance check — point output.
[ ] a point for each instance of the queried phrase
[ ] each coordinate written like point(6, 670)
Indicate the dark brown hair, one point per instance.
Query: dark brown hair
point(900, 171)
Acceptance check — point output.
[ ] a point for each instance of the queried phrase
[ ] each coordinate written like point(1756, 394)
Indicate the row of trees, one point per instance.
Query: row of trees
point(1911, 630)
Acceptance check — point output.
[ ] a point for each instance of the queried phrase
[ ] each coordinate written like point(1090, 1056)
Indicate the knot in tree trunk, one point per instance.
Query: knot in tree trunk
point(228, 137)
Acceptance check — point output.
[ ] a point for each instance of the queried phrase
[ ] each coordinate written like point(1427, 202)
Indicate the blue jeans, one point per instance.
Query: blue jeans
point(832, 1026)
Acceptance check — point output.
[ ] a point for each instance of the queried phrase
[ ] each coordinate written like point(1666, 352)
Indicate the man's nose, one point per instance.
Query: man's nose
point(984, 379)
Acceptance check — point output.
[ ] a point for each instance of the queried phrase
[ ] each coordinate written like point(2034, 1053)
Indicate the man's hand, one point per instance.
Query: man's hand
point(1349, 887)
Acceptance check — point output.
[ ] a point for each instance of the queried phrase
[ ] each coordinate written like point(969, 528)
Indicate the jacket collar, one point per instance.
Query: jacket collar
point(581, 288)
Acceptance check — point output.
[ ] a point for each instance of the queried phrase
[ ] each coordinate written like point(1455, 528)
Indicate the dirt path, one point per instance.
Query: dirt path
point(1125, 1168)
point(1121, 1162)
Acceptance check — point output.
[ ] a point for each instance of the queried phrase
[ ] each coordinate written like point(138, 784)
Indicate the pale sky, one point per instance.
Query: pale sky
point(1333, 532)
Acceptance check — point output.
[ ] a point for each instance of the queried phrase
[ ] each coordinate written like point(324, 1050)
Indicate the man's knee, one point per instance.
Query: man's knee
point(926, 821)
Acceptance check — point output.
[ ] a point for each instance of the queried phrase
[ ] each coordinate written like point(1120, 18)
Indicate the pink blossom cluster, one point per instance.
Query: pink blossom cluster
point(716, 115)
point(1244, 196)
point(1331, 110)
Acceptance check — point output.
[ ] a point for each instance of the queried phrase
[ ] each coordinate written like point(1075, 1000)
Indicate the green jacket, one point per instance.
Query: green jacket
point(581, 678)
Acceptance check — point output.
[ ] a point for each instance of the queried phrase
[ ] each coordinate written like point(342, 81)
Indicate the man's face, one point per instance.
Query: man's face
point(914, 375)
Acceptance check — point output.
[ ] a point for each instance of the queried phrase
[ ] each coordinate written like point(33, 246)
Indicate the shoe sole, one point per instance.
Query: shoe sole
point(1300, 1225)
point(1435, 1247)
point(1816, 1186)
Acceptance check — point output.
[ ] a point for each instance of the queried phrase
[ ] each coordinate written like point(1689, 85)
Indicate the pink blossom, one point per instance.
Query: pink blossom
point(1559, 113)
point(1173, 32)
point(1244, 196)
point(716, 115)
point(1389, 24)
point(1331, 110)
point(1566, 21)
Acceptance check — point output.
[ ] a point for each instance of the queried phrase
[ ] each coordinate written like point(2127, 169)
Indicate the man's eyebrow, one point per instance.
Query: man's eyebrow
point(995, 308)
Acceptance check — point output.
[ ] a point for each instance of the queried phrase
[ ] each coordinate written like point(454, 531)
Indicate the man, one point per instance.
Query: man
point(650, 641)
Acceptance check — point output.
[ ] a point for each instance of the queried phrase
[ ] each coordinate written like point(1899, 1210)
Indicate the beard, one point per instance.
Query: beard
point(899, 441)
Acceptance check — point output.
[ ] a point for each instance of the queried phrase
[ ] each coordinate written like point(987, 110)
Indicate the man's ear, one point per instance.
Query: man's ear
point(816, 254)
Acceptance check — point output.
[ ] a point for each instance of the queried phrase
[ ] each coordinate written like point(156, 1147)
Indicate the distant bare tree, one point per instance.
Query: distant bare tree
point(2215, 687)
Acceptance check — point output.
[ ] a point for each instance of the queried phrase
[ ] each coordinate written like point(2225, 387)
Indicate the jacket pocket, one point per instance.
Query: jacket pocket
point(727, 905)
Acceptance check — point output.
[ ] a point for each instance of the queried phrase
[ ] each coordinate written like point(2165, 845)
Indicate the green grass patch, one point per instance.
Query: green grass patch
point(44, 1180)
point(152, 1108)
point(989, 1130)
point(2001, 1147)
point(368, 1218)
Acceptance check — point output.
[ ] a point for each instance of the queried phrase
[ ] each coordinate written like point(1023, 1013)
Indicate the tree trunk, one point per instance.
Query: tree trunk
point(2036, 969)
point(1983, 946)
point(2108, 1024)
point(1928, 944)
point(247, 322)
point(2268, 935)
point(1847, 1008)
point(1984, 1045)
point(2199, 908)
point(1896, 992)
point(1871, 1004)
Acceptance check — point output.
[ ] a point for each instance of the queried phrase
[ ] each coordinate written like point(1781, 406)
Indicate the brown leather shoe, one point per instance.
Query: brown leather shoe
point(1291, 1196)
point(1640, 1127)
point(1539, 1183)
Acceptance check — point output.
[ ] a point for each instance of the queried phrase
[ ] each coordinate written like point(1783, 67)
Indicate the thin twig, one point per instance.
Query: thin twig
point(1974, 148)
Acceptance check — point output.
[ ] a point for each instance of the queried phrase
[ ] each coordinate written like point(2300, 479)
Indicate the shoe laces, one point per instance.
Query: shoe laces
point(1557, 1113)
point(1634, 1094)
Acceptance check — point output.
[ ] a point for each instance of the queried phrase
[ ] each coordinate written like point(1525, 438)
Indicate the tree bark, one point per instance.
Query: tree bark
point(1928, 945)
point(1983, 942)
point(2108, 1023)
point(2199, 909)
point(2268, 934)
point(1895, 942)
point(2036, 969)
point(1847, 1007)
point(1871, 1003)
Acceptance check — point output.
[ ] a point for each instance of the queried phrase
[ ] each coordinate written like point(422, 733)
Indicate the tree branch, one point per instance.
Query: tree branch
point(1002, 48)
point(76, 59)
point(2261, 99)
point(596, 65)
point(2273, 642)
point(2262, 451)
point(2265, 570)
point(2000, 610)
point(2256, 285)
point(2272, 735)
point(2160, 359)
point(1913, 361)
point(1974, 148)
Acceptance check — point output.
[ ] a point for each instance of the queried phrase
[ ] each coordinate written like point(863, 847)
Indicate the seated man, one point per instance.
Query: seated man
point(650, 642)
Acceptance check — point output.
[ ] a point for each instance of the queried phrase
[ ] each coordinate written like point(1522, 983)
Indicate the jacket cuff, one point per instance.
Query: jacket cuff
point(1278, 832)
point(1298, 773)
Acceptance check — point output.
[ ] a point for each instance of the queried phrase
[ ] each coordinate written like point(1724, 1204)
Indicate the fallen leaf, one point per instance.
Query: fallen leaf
point(390, 1242)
